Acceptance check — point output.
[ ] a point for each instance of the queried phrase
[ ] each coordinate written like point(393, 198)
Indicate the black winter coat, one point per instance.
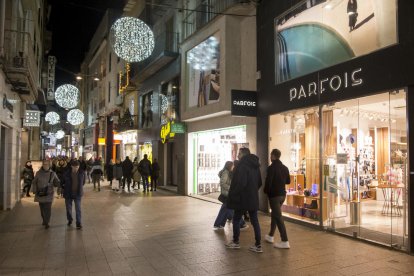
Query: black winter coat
point(245, 184)
point(277, 177)
point(144, 167)
point(127, 167)
point(109, 171)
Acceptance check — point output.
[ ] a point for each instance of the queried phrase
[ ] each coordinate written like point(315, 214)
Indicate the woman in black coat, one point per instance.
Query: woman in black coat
point(110, 172)
point(28, 176)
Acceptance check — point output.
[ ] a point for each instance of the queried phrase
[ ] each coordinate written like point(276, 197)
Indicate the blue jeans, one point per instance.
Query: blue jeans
point(145, 182)
point(68, 203)
point(225, 214)
point(253, 220)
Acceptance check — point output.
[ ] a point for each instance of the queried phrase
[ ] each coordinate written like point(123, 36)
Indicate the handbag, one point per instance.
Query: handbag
point(222, 198)
point(45, 190)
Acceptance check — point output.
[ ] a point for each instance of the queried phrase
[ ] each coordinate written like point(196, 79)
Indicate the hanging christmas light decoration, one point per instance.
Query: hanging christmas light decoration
point(164, 103)
point(75, 117)
point(60, 134)
point(67, 96)
point(131, 39)
point(204, 55)
point(52, 117)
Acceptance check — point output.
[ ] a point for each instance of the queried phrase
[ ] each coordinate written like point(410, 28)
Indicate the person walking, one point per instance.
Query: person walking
point(144, 167)
point(89, 165)
point(96, 174)
point(110, 172)
point(43, 187)
point(277, 177)
point(136, 176)
point(243, 195)
point(74, 180)
point(127, 167)
point(155, 174)
point(117, 173)
point(61, 169)
point(225, 213)
point(28, 176)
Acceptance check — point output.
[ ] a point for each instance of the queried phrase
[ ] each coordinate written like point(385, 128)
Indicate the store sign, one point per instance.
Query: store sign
point(333, 84)
point(101, 141)
point(178, 128)
point(166, 132)
point(31, 118)
point(51, 63)
point(243, 103)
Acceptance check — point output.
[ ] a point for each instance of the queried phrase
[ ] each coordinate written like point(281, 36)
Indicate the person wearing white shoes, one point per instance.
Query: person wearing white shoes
point(276, 178)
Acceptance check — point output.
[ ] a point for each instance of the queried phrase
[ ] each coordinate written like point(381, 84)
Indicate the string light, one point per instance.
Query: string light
point(75, 117)
point(67, 96)
point(204, 55)
point(131, 39)
point(60, 134)
point(52, 117)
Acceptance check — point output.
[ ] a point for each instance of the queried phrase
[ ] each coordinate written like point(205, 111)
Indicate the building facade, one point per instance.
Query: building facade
point(335, 96)
point(22, 28)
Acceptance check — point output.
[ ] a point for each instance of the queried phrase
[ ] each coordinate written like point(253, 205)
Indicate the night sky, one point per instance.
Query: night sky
point(73, 23)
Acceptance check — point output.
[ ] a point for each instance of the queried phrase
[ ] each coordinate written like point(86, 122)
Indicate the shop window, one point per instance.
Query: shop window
point(146, 110)
point(169, 101)
point(296, 135)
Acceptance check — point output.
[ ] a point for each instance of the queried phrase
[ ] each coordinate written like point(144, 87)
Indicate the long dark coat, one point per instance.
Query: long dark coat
point(246, 181)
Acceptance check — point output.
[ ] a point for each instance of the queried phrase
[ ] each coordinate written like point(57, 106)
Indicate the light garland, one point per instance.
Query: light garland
point(75, 117)
point(52, 117)
point(131, 39)
point(60, 134)
point(67, 96)
point(164, 103)
point(204, 55)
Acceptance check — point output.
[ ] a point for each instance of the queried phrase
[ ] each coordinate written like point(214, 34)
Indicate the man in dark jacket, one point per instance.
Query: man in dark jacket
point(74, 180)
point(276, 178)
point(243, 195)
point(144, 168)
point(127, 167)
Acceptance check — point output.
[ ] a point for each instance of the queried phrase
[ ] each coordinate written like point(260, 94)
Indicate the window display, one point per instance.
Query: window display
point(211, 151)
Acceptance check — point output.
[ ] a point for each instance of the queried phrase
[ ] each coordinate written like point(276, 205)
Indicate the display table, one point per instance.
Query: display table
point(391, 195)
point(295, 200)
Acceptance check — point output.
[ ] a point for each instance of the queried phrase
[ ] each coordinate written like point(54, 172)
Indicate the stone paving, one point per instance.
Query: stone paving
point(164, 234)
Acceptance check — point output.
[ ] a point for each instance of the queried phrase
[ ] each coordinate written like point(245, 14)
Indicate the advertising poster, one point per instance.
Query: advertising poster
point(203, 72)
point(146, 110)
point(320, 33)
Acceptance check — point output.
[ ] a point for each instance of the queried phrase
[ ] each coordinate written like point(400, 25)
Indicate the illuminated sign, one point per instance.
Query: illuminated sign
point(51, 63)
point(243, 103)
point(166, 132)
point(32, 118)
point(101, 141)
point(124, 79)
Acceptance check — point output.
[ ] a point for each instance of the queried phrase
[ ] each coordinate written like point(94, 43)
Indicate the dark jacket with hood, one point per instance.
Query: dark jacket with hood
point(246, 181)
point(67, 192)
point(127, 167)
point(276, 178)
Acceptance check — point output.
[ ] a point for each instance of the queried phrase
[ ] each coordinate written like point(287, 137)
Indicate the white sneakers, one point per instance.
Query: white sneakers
point(282, 244)
point(269, 239)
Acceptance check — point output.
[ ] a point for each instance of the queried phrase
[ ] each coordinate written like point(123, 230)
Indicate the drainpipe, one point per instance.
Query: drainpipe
point(2, 25)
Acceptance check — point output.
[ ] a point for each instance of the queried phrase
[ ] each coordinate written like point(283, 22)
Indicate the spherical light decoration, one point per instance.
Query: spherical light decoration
point(75, 117)
point(164, 103)
point(131, 39)
point(67, 96)
point(60, 134)
point(204, 55)
point(52, 117)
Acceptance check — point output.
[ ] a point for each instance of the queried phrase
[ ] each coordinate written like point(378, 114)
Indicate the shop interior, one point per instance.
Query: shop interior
point(362, 172)
point(209, 151)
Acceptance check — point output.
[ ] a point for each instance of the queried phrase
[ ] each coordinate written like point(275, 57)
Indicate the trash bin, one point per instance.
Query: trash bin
point(355, 213)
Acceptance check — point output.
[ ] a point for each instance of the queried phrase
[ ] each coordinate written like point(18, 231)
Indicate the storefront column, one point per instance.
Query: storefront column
point(263, 154)
point(410, 126)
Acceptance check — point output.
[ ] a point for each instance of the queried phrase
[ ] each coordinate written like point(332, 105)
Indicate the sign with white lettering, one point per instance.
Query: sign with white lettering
point(51, 63)
point(32, 118)
point(326, 85)
point(243, 103)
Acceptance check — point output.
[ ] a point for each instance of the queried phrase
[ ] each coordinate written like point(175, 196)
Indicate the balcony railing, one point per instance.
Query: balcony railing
point(203, 14)
point(20, 62)
point(165, 43)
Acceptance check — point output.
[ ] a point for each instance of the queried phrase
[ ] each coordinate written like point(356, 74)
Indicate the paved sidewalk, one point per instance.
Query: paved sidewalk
point(164, 234)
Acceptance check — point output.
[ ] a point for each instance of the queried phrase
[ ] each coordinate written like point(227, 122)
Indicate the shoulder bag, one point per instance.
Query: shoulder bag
point(45, 190)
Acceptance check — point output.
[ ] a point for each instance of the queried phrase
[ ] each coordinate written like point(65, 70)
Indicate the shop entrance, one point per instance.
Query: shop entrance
point(366, 172)
point(3, 168)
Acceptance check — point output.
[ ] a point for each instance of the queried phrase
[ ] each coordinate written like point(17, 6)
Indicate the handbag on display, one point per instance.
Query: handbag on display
point(222, 198)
